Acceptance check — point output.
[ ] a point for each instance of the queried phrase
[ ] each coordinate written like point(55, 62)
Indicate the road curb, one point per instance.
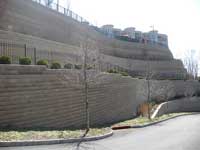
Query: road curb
point(154, 123)
point(54, 141)
point(149, 124)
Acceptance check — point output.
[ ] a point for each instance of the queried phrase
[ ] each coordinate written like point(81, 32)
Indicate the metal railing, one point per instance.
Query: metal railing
point(71, 14)
point(16, 50)
point(64, 11)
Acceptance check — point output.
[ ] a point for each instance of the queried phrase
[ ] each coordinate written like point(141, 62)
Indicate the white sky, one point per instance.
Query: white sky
point(179, 19)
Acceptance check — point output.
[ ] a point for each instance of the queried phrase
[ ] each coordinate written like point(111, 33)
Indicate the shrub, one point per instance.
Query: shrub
point(78, 66)
point(24, 61)
point(143, 109)
point(42, 62)
point(68, 66)
point(89, 67)
point(119, 72)
point(5, 60)
point(112, 71)
point(55, 65)
point(124, 73)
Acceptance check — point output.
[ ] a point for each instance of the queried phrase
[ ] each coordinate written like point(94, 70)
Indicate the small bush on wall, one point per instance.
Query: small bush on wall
point(78, 66)
point(89, 67)
point(118, 72)
point(5, 60)
point(124, 73)
point(112, 71)
point(42, 62)
point(24, 61)
point(55, 65)
point(68, 66)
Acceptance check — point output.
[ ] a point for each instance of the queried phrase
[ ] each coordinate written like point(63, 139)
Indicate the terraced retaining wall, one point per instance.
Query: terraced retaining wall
point(34, 96)
point(13, 44)
point(30, 18)
point(57, 37)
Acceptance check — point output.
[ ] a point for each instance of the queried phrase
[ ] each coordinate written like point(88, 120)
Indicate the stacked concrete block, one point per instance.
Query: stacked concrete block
point(33, 96)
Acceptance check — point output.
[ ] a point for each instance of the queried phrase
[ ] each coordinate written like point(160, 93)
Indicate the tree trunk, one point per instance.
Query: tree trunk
point(148, 98)
point(86, 94)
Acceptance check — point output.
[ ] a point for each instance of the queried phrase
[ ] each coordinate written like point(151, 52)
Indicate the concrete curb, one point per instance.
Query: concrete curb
point(54, 141)
point(150, 124)
point(154, 123)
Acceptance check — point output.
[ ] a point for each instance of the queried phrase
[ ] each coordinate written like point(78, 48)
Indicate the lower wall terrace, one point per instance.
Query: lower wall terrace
point(34, 96)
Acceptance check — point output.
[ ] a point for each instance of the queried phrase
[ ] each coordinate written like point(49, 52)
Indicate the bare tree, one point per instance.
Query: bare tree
point(146, 90)
point(191, 64)
point(189, 90)
point(148, 76)
point(153, 90)
point(89, 75)
point(90, 60)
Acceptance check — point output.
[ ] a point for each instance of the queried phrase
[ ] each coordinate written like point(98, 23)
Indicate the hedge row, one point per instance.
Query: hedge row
point(54, 65)
point(118, 72)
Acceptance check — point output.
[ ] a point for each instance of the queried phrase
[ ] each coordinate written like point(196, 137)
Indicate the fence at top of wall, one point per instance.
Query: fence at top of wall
point(64, 11)
point(67, 12)
point(16, 50)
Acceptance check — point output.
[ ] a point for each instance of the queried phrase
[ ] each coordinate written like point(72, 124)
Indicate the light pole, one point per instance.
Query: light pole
point(152, 28)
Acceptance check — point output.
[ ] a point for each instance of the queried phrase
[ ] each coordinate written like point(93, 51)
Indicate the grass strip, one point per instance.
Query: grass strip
point(47, 135)
point(144, 120)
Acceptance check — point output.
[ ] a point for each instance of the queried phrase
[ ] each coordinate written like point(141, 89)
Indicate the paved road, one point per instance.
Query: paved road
point(181, 133)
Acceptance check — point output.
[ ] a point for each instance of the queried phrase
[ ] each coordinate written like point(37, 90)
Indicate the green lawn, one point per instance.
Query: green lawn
point(66, 134)
point(145, 120)
point(54, 134)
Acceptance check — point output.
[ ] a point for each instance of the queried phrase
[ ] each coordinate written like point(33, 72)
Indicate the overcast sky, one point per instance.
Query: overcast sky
point(179, 19)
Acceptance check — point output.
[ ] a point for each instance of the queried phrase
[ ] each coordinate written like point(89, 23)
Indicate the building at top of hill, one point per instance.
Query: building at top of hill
point(132, 35)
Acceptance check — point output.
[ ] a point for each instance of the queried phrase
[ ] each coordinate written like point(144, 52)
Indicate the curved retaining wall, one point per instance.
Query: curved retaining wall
point(191, 104)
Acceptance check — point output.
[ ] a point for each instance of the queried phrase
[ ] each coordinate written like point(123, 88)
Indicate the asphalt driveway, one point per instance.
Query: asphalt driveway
point(182, 133)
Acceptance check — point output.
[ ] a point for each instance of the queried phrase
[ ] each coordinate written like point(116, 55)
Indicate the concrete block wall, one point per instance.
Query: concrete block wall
point(164, 69)
point(36, 97)
point(65, 53)
point(33, 96)
point(191, 104)
point(168, 90)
